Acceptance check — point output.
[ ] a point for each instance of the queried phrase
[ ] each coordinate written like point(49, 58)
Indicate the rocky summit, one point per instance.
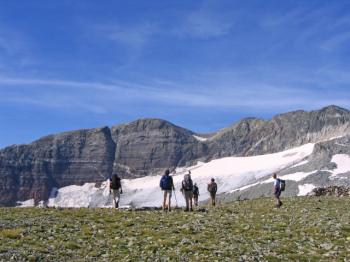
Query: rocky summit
point(149, 146)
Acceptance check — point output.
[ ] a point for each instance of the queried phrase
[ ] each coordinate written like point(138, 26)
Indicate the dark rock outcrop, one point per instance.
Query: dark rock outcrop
point(149, 146)
point(31, 171)
point(331, 191)
point(152, 145)
point(253, 136)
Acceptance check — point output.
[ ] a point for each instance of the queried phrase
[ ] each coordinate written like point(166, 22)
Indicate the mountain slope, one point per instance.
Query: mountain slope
point(304, 168)
point(77, 157)
point(253, 136)
point(230, 173)
point(328, 165)
point(149, 146)
point(152, 145)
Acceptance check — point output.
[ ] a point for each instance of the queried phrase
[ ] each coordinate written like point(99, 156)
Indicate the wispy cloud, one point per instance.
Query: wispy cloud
point(320, 26)
point(53, 82)
point(204, 23)
point(134, 35)
point(128, 40)
point(339, 39)
point(233, 92)
point(15, 48)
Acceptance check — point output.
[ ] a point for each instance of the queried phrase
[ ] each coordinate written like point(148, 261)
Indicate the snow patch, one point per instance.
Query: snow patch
point(27, 203)
point(305, 189)
point(244, 187)
point(230, 173)
point(79, 196)
point(298, 176)
point(332, 138)
point(301, 163)
point(199, 138)
point(343, 164)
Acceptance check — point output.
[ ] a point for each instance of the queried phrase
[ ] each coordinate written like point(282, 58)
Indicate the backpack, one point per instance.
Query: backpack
point(187, 183)
point(212, 187)
point(115, 182)
point(282, 184)
point(166, 183)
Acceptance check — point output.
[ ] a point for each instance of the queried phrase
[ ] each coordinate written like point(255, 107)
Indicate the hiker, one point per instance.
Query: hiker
point(115, 188)
point(187, 191)
point(212, 188)
point(277, 190)
point(195, 194)
point(167, 185)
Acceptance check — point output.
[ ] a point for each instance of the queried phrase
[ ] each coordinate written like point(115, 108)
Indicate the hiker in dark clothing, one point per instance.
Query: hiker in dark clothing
point(277, 190)
point(212, 188)
point(115, 188)
point(195, 194)
point(167, 185)
point(187, 191)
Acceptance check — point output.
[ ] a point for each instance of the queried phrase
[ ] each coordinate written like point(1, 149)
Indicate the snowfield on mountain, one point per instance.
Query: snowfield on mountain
point(230, 174)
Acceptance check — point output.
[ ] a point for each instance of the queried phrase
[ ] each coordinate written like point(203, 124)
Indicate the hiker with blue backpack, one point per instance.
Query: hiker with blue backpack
point(279, 186)
point(187, 191)
point(167, 185)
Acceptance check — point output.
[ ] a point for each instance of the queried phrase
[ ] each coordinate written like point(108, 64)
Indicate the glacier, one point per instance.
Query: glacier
point(230, 173)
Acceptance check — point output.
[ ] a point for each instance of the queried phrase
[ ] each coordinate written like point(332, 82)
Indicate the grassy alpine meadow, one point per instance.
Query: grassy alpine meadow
point(304, 229)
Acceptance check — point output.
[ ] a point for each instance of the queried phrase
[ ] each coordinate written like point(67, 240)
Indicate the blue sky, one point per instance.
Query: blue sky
point(202, 65)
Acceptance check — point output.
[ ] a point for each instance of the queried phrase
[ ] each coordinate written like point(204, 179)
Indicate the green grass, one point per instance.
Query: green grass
point(12, 233)
point(305, 229)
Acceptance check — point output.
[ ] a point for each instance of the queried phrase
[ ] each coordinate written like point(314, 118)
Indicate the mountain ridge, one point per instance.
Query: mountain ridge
point(202, 134)
point(149, 146)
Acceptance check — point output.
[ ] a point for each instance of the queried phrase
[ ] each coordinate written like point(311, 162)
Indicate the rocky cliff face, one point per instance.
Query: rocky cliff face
point(255, 137)
point(153, 145)
point(149, 146)
point(31, 171)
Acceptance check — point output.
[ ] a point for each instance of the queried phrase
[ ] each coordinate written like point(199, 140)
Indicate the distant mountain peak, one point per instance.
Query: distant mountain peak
point(148, 146)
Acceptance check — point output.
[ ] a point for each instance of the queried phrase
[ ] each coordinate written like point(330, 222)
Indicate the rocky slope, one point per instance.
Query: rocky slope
point(149, 146)
point(253, 136)
point(320, 165)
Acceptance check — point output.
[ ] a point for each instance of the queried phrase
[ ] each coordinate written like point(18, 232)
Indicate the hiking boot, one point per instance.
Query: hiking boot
point(191, 209)
point(186, 210)
point(116, 205)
